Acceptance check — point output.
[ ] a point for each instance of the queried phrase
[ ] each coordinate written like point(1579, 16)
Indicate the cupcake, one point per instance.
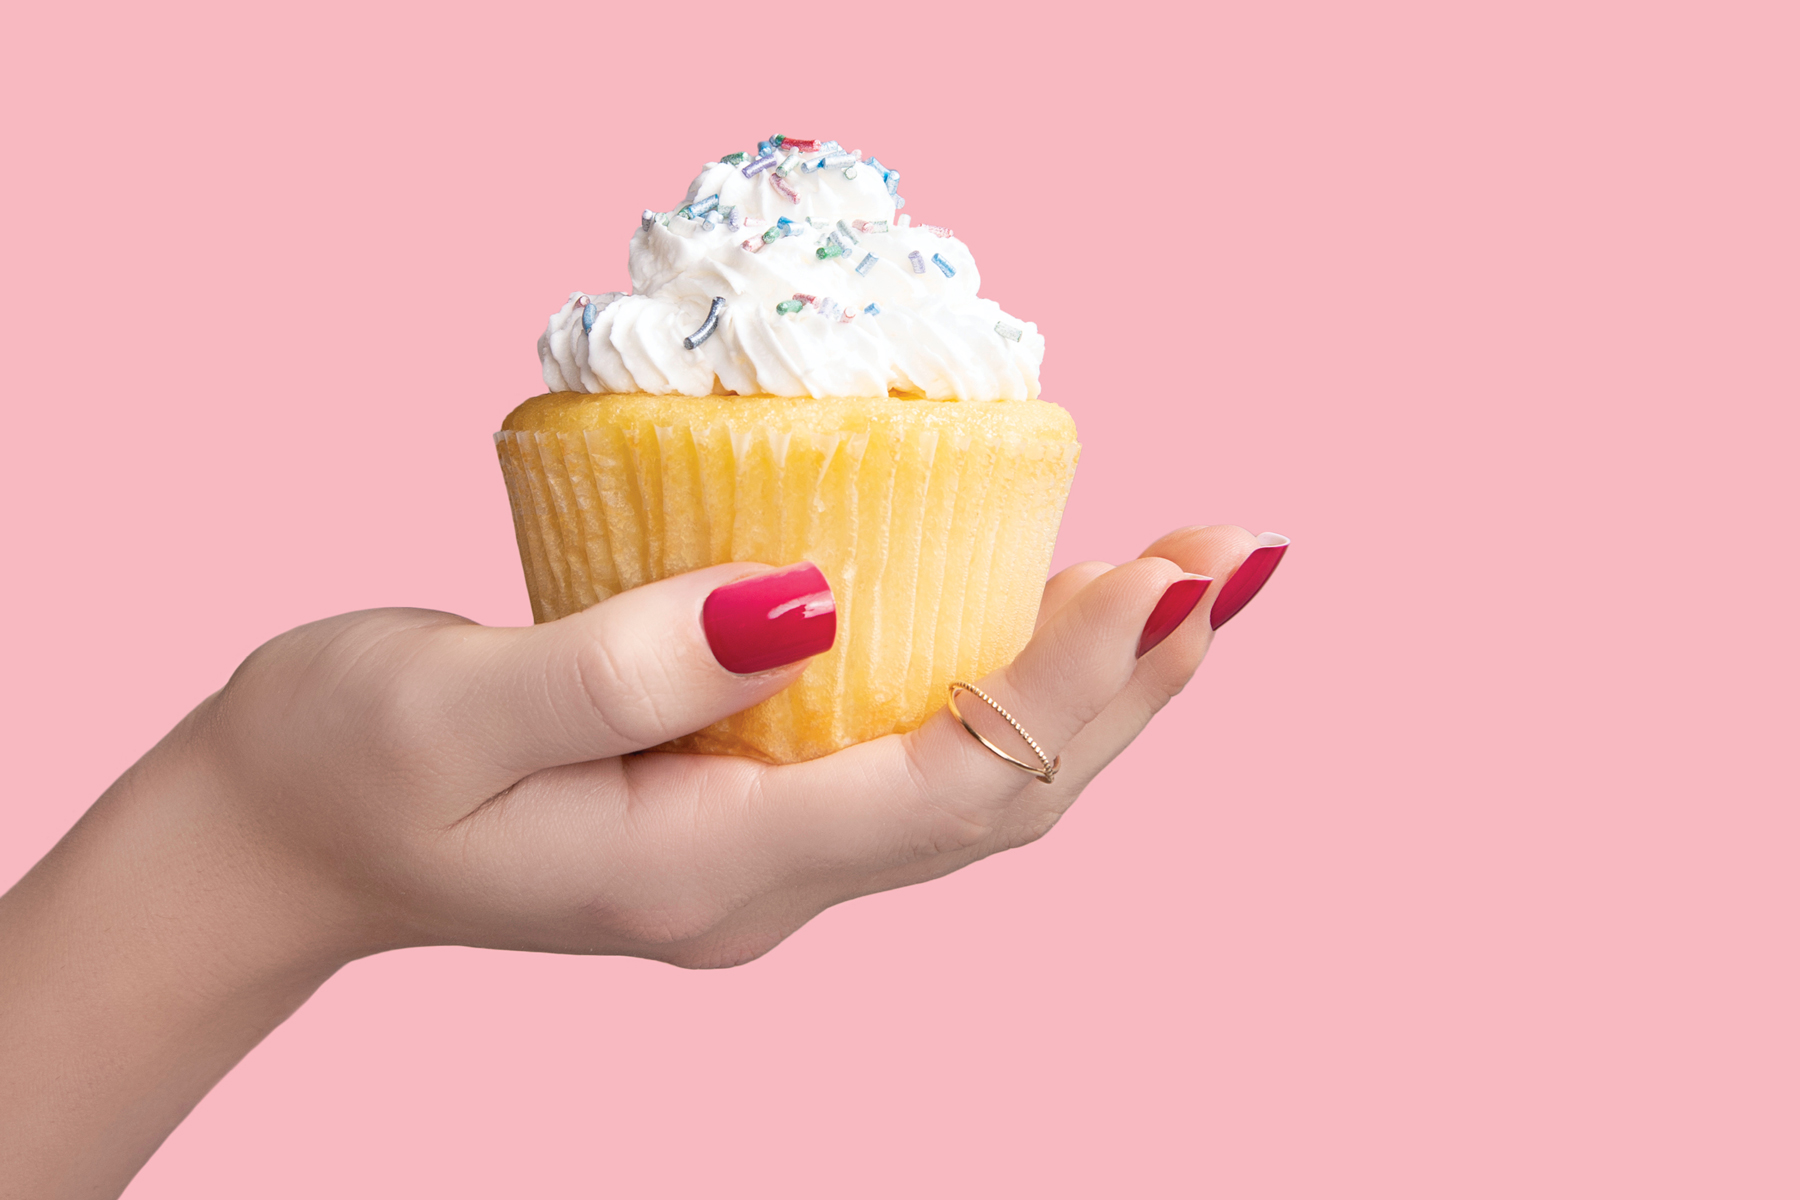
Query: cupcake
point(801, 373)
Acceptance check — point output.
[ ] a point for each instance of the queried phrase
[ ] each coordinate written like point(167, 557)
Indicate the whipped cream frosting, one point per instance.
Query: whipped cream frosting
point(789, 272)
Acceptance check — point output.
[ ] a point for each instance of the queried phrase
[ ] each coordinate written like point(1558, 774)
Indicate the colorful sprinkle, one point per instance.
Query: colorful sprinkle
point(734, 217)
point(937, 229)
point(850, 171)
point(588, 313)
point(871, 226)
point(943, 266)
point(787, 165)
point(830, 250)
point(841, 158)
point(899, 202)
point(735, 159)
point(649, 218)
point(760, 164)
point(803, 298)
point(1007, 331)
point(918, 262)
point(785, 188)
point(868, 260)
point(845, 230)
point(700, 208)
point(754, 244)
point(772, 233)
point(789, 306)
point(872, 308)
point(831, 309)
point(803, 145)
point(707, 326)
point(764, 147)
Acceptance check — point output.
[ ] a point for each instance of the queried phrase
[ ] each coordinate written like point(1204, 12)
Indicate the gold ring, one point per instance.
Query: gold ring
point(1046, 773)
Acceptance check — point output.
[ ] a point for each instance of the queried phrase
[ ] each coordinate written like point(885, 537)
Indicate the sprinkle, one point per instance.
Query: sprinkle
point(764, 147)
point(937, 229)
point(587, 317)
point(871, 226)
point(807, 168)
point(803, 145)
point(845, 230)
point(734, 217)
point(868, 260)
point(787, 226)
point(700, 208)
point(707, 326)
point(876, 163)
point(918, 262)
point(785, 188)
point(892, 180)
point(829, 146)
point(754, 244)
point(649, 218)
point(758, 166)
point(943, 266)
point(1007, 331)
point(873, 309)
point(771, 233)
point(789, 306)
point(899, 203)
point(735, 159)
point(787, 165)
point(706, 224)
point(849, 315)
point(803, 298)
point(830, 308)
point(850, 172)
point(830, 250)
point(841, 158)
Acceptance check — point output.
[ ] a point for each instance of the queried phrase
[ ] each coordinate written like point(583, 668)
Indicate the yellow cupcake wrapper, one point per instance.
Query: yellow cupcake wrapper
point(936, 537)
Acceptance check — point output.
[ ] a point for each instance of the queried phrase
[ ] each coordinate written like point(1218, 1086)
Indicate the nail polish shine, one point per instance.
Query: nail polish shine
point(768, 621)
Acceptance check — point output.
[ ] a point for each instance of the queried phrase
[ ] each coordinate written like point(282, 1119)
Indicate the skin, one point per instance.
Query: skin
point(407, 778)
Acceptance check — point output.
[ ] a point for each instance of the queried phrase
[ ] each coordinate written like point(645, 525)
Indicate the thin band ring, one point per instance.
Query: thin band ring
point(1046, 773)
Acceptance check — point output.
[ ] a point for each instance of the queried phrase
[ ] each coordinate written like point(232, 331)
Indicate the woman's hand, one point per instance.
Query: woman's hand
point(401, 777)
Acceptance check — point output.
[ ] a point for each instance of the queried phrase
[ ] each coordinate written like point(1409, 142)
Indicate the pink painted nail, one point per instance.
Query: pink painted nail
point(1178, 600)
point(1249, 578)
point(769, 621)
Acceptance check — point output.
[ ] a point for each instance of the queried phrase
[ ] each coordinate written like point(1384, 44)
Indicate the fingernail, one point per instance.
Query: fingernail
point(769, 621)
point(1178, 600)
point(1242, 587)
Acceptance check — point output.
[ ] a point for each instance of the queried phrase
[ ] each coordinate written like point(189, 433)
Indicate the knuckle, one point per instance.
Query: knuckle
point(626, 693)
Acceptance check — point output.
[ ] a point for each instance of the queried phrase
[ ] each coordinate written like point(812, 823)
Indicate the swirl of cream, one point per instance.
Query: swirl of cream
point(886, 308)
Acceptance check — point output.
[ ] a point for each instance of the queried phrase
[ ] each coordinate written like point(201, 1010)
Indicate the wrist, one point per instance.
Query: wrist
point(154, 946)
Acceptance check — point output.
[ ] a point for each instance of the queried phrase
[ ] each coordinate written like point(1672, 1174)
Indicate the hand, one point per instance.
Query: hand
point(402, 777)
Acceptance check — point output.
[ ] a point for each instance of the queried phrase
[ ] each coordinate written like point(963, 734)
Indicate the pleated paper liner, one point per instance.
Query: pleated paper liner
point(934, 523)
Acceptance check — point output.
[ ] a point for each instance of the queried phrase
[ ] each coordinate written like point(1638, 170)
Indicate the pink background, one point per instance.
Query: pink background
point(1466, 868)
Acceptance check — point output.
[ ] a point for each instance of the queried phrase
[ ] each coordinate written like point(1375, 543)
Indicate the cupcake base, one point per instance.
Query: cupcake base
point(933, 521)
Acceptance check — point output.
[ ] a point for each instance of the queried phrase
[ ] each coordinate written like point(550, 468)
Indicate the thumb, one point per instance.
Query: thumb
point(644, 666)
